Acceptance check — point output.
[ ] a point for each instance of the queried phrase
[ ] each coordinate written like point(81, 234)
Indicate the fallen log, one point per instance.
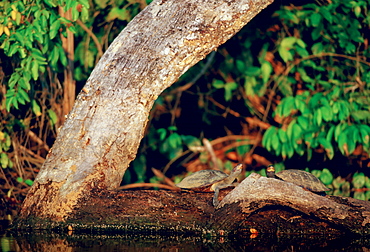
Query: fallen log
point(257, 205)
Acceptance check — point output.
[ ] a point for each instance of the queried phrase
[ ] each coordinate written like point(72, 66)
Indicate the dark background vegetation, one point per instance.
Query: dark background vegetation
point(291, 88)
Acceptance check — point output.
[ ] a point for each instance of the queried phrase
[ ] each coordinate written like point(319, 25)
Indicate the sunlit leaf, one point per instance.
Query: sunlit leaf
point(53, 117)
point(28, 182)
point(4, 160)
point(266, 70)
point(36, 108)
point(326, 176)
point(117, 13)
point(358, 180)
point(54, 29)
point(218, 84)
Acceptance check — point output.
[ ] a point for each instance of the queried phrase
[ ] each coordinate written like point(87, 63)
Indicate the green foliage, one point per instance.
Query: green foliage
point(36, 54)
point(32, 59)
point(358, 180)
point(326, 177)
point(28, 34)
point(228, 88)
point(325, 107)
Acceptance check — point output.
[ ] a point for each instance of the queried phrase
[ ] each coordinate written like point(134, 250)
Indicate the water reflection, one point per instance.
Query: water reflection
point(48, 241)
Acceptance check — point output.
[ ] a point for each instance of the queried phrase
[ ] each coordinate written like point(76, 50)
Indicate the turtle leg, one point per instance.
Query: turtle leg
point(215, 197)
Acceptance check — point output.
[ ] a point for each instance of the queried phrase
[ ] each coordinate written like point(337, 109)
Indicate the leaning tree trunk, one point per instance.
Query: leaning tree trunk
point(102, 132)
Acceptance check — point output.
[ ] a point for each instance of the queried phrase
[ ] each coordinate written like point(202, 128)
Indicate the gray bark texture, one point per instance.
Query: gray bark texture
point(101, 135)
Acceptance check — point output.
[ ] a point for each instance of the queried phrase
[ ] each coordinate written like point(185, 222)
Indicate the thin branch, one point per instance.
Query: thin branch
point(139, 185)
point(92, 35)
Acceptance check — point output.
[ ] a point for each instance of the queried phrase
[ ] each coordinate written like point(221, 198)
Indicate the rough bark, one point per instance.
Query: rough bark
point(102, 132)
point(258, 205)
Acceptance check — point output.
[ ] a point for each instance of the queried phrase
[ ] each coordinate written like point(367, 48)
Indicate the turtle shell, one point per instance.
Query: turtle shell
point(202, 180)
point(303, 179)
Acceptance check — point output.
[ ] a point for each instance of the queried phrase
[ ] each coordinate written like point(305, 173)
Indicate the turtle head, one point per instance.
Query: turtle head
point(237, 169)
point(270, 171)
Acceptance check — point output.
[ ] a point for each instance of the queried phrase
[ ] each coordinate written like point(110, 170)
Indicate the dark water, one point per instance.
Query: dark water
point(48, 241)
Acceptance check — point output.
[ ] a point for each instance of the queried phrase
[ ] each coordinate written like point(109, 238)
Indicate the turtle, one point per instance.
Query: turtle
point(301, 178)
point(211, 180)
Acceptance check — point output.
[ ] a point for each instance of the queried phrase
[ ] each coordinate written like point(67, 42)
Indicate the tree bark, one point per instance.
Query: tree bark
point(102, 132)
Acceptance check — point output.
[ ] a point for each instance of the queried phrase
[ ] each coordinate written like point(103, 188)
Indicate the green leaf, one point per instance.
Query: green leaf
point(54, 29)
point(367, 182)
point(316, 173)
point(24, 95)
point(360, 115)
point(51, 3)
point(190, 141)
point(75, 12)
point(326, 14)
point(338, 182)
point(172, 128)
point(301, 105)
point(252, 71)
point(315, 19)
point(328, 147)
point(218, 84)
point(36, 108)
point(330, 134)
point(275, 143)
point(358, 180)
point(342, 143)
point(85, 3)
point(266, 70)
point(327, 113)
point(267, 137)
point(326, 177)
point(317, 48)
point(250, 83)
point(301, 43)
point(54, 57)
point(344, 110)
point(365, 133)
point(240, 65)
point(35, 70)
point(359, 195)
point(162, 133)
point(288, 42)
point(303, 122)
point(316, 33)
point(117, 13)
point(37, 55)
point(62, 56)
point(53, 117)
point(318, 117)
point(4, 160)
point(296, 135)
point(174, 140)
point(229, 88)
point(282, 136)
point(288, 104)
point(28, 182)
point(85, 15)
point(101, 3)
point(285, 54)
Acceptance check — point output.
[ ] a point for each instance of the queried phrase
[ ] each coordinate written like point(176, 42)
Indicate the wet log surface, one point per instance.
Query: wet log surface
point(258, 205)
